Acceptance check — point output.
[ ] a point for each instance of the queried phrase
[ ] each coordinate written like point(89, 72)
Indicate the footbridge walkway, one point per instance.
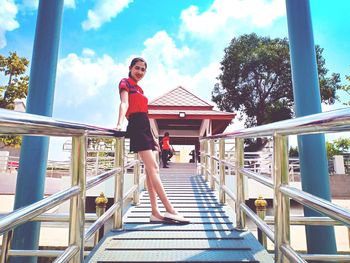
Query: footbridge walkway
point(216, 232)
point(210, 237)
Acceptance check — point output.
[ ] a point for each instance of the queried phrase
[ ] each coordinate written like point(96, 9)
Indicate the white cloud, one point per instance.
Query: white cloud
point(33, 4)
point(164, 60)
point(80, 78)
point(103, 12)
point(225, 15)
point(162, 49)
point(205, 79)
point(8, 22)
point(69, 3)
point(87, 52)
point(88, 82)
point(30, 4)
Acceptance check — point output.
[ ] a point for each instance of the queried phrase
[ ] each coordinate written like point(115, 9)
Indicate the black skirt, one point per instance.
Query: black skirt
point(139, 132)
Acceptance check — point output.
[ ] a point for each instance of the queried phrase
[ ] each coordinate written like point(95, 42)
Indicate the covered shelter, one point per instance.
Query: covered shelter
point(186, 117)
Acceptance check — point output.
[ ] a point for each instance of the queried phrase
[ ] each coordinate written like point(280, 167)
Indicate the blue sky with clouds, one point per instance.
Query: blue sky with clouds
point(181, 40)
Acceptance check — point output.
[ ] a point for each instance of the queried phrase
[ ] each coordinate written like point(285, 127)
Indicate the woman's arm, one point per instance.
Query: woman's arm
point(123, 107)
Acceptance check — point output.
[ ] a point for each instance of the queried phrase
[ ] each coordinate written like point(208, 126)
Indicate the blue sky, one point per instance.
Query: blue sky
point(181, 40)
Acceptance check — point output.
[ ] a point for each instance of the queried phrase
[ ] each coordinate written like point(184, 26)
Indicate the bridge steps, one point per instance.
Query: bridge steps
point(211, 236)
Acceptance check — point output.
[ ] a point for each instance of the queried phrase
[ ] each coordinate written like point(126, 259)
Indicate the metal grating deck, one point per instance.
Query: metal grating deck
point(210, 237)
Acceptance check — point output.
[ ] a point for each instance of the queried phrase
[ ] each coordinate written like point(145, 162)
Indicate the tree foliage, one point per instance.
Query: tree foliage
point(256, 80)
point(346, 88)
point(101, 144)
point(13, 67)
point(293, 151)
point(337, 147)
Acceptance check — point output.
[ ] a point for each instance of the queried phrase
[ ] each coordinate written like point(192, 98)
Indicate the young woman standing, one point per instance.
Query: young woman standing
point(134, 106)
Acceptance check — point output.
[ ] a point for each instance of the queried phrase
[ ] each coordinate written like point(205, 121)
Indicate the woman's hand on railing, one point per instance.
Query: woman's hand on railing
point(119, 127)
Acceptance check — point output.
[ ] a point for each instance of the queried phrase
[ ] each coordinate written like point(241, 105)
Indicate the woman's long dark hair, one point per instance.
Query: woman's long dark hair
point(134, 61)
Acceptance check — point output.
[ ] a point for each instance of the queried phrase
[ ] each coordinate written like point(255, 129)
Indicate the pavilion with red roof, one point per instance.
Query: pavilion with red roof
point(186, 117)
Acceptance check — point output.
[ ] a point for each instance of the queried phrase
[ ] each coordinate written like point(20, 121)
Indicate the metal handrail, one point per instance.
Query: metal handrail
point(306, 220)
point(57, 217)
point(68, 254)
point(100, 221)
point(19, 123)
point(262, 225)
point(39, 253)
point(29, 124)
point(333, 121)
point(101, 177)
point(319, 204)
point(27, 213)
point(258, 177)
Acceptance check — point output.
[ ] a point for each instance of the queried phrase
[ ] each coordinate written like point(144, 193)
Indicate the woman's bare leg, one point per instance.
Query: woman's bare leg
point(152, 173)
point(152, 197)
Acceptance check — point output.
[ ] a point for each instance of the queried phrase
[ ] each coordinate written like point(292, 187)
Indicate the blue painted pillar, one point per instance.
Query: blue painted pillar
point(312, 150)
point(34, 150)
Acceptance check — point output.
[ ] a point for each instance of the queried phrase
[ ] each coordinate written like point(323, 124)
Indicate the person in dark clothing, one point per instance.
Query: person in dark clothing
point(165, 149)
point(193, 156)
point(171, 153)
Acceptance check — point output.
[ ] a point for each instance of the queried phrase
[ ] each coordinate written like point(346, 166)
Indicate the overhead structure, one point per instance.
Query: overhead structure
point(186, 117)
point(307, 98)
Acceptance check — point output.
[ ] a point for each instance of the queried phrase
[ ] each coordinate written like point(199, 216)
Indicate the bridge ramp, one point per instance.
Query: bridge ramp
point(210, 237)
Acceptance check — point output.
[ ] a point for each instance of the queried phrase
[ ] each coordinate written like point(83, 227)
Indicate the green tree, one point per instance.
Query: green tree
point(16, 87)
point(338, 146)
point(342, 144)
point(13, 68)
point(256, 81)
point(346, 88)
point(293, 151)
point(331, 150)
point(94, 143)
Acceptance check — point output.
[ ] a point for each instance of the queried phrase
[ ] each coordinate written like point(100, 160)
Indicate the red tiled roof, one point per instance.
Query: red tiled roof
point(179, 97)
point(190, 112)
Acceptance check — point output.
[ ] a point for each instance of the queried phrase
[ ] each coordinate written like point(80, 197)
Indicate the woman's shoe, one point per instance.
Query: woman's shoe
point(176, 218)
point(153, 219)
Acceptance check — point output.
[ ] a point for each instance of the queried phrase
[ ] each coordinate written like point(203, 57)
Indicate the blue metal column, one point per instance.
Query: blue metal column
point(312, 150)
point(34, 150)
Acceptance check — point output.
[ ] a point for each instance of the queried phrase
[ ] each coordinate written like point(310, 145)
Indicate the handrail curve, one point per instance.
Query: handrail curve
point(20, 123)
point(24, 214)
point(332, 121)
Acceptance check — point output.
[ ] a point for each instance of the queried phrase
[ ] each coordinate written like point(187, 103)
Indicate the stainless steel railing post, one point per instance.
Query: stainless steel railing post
point(137, 171)
point(101, 203)
point(260, 206)
point(201, 149)
point(240, 216)
point(77, 204)
point(349, 236)
point(206, 166)
point(212, 164)
point(5, 247)
point(222, 196)
point(119, 182)
point(281, 202)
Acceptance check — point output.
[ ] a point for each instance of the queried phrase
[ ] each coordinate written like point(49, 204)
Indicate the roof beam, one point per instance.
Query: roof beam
point(204, 127)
